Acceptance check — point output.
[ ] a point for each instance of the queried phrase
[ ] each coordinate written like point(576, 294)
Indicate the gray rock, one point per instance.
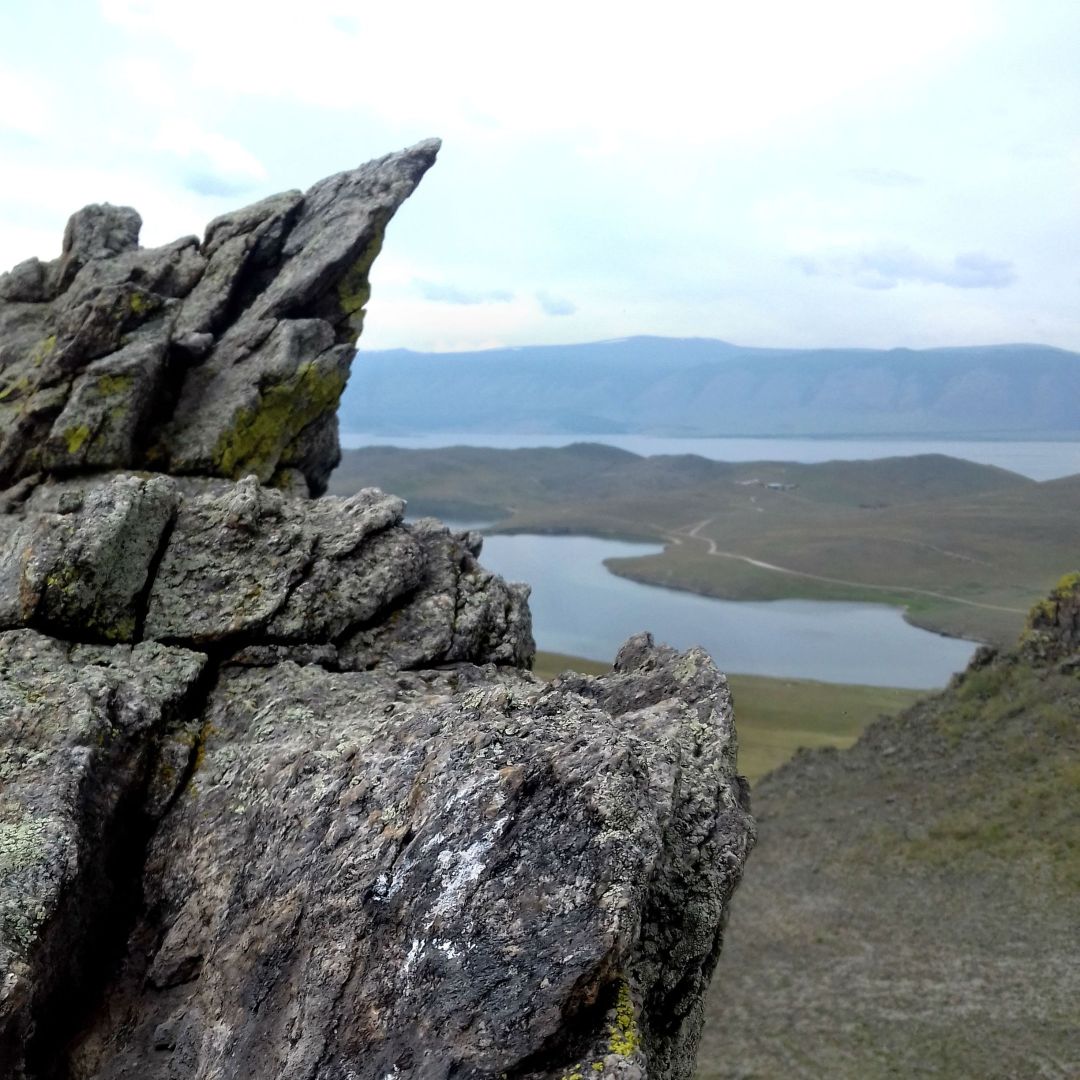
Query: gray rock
point(437, 874)
point(84, 574)
point(95, 232)
point(226, 566)
point(457, 612)
point(278, 794)
point(256, 326)
point(106, 409)
point(231, 562)
point(80, 730)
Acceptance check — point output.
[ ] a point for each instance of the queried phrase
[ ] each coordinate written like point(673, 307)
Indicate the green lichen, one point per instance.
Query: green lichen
point(76, 438)
point(66, 597)
point(110, 385)
point(43, 350)
point(63, 583)
point(121, 630)
point(354, 289)
point(257, 437)
point(141, 304)
point(19, 386)
point(20, 844)
point(624, 1031)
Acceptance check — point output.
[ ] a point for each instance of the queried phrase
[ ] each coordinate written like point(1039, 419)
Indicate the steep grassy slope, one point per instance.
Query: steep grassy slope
point(964, 548)
point(912, 906)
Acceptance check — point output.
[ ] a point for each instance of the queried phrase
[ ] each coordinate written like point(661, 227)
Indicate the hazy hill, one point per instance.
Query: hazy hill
point(700, 386)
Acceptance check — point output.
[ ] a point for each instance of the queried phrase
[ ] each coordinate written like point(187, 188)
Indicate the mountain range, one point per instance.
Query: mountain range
point(706, 387)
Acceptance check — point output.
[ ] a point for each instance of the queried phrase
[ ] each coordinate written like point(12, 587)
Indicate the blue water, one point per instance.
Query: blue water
point(1039, 460)
point(582, 609)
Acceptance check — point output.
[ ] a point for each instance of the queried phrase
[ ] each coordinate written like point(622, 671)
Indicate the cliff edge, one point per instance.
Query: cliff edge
point(278, 793)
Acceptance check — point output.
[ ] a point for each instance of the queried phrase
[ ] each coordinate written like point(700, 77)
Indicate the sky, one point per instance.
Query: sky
point(841, 173)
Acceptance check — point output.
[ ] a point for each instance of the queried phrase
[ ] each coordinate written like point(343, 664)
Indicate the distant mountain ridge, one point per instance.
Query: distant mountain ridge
point(703, 386)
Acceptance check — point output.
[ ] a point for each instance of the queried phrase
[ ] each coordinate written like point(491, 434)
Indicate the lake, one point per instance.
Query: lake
point(580, 608)
point(1041, 460)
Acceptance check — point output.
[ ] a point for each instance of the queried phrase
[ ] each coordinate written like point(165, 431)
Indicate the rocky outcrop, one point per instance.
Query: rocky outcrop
point(1053, 626)
point(278, 793)
point(221, 358)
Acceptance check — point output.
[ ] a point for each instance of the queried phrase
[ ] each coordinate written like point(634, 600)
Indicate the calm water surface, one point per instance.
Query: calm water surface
point(582, 609)
point(1039, 460)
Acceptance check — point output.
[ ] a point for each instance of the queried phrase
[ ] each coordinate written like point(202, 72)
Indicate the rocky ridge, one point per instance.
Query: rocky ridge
point(278, 794)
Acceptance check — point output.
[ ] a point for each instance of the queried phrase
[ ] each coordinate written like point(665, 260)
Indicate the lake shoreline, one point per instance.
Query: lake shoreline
point(905, 611)
point(910, 617)
point(582, 608)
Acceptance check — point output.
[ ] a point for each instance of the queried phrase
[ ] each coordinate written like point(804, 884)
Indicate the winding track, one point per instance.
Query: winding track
point(711, 548)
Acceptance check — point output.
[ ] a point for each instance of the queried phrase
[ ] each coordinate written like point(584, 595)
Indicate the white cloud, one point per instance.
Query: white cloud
point(212, 164)
point(555, 305)
point(443, 293)
point(607, 70)
point(887, 266)
point(663, 169)
point(27, 110)
point(888, 178)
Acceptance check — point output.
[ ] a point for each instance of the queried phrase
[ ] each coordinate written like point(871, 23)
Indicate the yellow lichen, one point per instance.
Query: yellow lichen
point(205, 732)
point(624, 1031)
point(258, 435)
point(354, 288)
point(1068, 584)
point(1046, 610)
point(76, 438)
point(108, 385)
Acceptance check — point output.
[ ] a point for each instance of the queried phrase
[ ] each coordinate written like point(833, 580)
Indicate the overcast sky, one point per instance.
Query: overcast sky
point(843, 172)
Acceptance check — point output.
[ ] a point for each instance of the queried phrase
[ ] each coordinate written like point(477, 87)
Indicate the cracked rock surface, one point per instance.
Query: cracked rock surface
point(278, 793)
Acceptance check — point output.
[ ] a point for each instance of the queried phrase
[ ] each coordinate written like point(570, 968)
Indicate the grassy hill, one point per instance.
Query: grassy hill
point(964, 548)
point(912, 905)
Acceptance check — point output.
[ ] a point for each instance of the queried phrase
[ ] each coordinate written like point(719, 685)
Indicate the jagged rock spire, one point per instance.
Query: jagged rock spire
point(221, 358)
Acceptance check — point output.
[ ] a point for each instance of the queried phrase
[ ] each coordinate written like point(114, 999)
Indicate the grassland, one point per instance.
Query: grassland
point(912, 903)
point(777, 717)
point(964, 549)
